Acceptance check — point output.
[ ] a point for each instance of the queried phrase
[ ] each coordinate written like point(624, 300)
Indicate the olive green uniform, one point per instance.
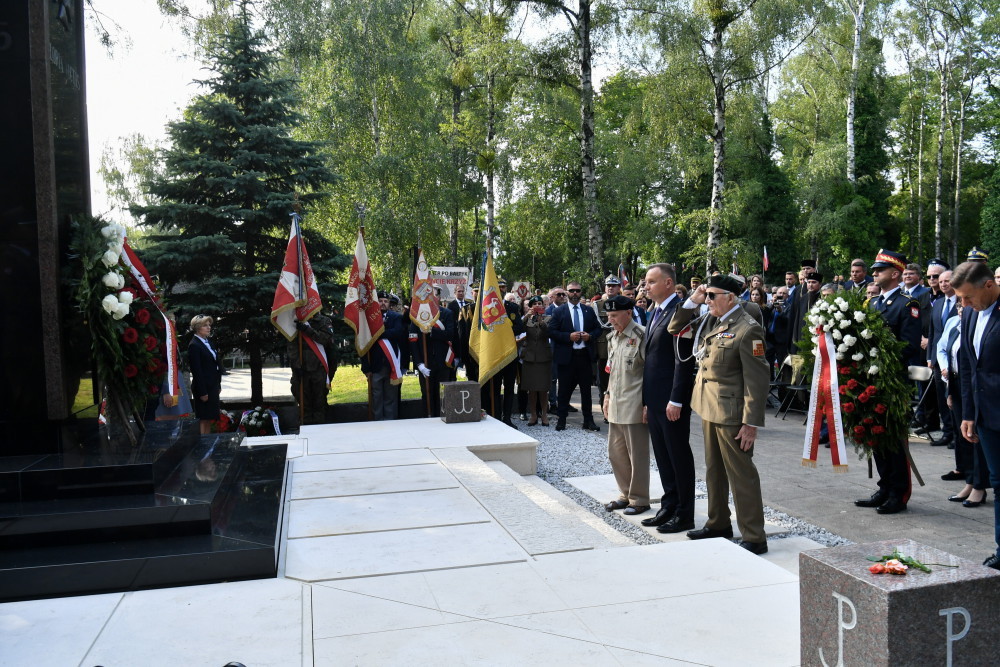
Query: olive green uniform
point(730, 390)
point(628, 437)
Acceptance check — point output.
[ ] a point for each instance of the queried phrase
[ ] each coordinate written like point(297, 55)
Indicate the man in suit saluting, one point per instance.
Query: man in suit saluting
point(730, 395)
point(667, 381)
point(574, 330)
point(979, 368)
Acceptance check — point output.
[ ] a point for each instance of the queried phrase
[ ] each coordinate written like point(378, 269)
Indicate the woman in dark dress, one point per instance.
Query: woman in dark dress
point(206, 372)
point(536, 373)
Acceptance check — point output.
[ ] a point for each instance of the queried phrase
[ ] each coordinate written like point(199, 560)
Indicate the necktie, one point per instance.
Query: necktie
point(945, 310)
point(656, 315)
point(576, 319)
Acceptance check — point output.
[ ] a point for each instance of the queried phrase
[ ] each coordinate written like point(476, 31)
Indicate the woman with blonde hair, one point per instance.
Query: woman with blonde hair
point(206, 372)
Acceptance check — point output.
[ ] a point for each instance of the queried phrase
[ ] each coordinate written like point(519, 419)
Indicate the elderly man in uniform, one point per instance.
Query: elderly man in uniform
point(901, 314)
point(378, 364)
point(309, 376)
point(628, 435)
point(612, 288)
point(730, 396)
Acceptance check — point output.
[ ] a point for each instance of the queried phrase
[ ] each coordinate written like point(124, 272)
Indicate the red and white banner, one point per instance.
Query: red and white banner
point(297, 296)
point(361, 309)
point(825, 401)
point(767, 262)
point(140, 274)
point(423, 304)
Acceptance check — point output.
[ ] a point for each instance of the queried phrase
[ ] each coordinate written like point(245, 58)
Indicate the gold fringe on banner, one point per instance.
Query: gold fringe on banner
point(840, 468)
point(808, 463)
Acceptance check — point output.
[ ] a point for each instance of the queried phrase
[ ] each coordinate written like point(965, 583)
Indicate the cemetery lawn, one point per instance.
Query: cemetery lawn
point(350, 386)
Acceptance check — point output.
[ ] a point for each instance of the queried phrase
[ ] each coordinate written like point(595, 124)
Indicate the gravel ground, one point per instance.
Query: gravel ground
point(578, 453)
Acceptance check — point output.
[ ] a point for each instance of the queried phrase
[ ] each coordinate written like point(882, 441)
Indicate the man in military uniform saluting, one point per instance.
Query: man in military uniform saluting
point(730, 396)
point(628, 436)
point(612, 288)
point(902, 314)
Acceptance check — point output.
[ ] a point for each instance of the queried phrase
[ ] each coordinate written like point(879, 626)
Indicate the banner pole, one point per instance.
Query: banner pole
point(368, 355)
point(427, 380)
point(302, 408)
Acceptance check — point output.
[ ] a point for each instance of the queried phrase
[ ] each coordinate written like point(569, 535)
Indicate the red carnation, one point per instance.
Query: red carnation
point(151, 343)
point(864, 397)
point(878, 430)
point(130, 335)
point(880, 408)
point(868, 420)
point(849, 407)
point(843, 389)
point(844, 370)
point(852, 384)
point(142, 317)
point(859, 430)
point(871, 390)
point(131, 371)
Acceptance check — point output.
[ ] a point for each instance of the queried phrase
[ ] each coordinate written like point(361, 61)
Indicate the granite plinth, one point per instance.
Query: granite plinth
point(850, 616)
point(460, 402)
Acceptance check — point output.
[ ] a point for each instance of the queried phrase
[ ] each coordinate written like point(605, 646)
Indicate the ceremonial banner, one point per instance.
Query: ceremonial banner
point(361, 309)
point(622, 276)
point(491, 341)
point(423, 305)
point(825, 401)
point(521, 289)
point(450, 278)
point(767, 262)
point(297, 296)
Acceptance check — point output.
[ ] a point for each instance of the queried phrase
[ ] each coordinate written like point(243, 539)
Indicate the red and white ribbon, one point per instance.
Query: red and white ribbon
point(825, 401)
point(392, 358)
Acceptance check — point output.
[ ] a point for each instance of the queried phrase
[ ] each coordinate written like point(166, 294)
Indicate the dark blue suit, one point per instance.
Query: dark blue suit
point(902, 315)
point(980, 375)
point(438, 344)
point(206, 379)
point(573, 366)
point(664, 379)
point(385, 394)
point(936, 320)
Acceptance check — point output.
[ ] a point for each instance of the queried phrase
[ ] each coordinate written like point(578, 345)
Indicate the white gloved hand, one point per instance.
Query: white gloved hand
point(426, 372)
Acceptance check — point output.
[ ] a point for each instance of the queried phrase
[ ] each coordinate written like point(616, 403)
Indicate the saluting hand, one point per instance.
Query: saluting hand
point(698, 296)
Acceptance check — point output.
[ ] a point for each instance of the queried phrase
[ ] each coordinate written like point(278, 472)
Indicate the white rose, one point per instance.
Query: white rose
point(125, 298)
point(110, 258)
point(873, 370)
point(110, 280)
point(121, 310)
point(866, 334)
point(857, 356)
point(109, 231)
point(109, 303)
point(859, 316)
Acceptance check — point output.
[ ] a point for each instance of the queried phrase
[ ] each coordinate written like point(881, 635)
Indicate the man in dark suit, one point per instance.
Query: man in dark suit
point(667, 382)
point(434, 368)
point(859, 276)
point(943, 308)
point(902, 315)
point(979, 368)
point(557, 297)
point(383, 361)
point(506, 377)
point(639, 315)
point(462, 310)
point(574, 330)
point(805, 298)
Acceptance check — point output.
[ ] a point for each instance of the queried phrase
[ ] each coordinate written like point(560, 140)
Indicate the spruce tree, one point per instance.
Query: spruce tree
point(230, 180)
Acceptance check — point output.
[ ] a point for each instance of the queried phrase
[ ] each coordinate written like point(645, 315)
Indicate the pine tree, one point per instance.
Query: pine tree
point(221, 208)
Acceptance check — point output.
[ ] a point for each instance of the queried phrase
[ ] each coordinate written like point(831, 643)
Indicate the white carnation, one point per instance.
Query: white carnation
point(837, 315)
point(815, 341)
point(844, 324)
point(109, 303)
point(859, 316)
point(873, 352)
point(841, 349)
point(121, 310)
point(125, 298)
point(841, 304)
point(840, 357)
point(873, 370)
point(866, 334)
point(850, 340)
point(857, 356)
point(837, 335)
point(108, 231)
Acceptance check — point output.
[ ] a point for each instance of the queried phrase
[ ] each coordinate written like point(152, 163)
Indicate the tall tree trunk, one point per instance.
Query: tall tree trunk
point(718, 147)
point(490, 177)
point(456, 160)
point(859, 26)
point(959, 145)
point(595, 241)
point(253, 337)
point(920, 181)
point(939, 183)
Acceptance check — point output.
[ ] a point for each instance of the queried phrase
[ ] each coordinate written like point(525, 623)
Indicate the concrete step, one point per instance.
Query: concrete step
point(536, 530)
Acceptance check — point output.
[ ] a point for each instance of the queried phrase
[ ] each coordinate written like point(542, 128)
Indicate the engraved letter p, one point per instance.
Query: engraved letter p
point(843, 624)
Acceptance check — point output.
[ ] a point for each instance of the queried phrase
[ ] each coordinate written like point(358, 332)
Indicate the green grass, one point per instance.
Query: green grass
point(351, 386)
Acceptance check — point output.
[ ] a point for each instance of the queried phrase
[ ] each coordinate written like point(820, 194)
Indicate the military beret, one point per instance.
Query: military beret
point(727, 283)
point(612, 280)
point(888, 259)
point(618, 303)
point(811, 263)
point(535, 299)
point(813, 275)
point(977, 255)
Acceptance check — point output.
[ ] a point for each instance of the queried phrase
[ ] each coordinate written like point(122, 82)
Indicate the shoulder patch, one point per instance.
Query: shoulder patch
point(914, 312)
point(758, 348)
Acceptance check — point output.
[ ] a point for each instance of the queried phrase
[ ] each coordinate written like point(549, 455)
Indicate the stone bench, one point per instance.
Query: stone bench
point(849, 616)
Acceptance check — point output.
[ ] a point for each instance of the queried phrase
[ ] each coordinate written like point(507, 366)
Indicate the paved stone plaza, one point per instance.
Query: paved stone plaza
point(402, 546)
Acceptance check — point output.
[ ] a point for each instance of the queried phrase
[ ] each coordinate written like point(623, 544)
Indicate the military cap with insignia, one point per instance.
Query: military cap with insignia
point(393, 299)
point(886, 259)
point(618, 303)
point(937, 261)
point(612, 280)
point(535, 299)
point(501, 282)
point(811, 263)
point(382, 294)
point(727, 283)
point(977, 255)
point(814, 275)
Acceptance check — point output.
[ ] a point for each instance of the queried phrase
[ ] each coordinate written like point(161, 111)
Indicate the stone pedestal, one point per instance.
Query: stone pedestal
point(460, 402)
point(850, 616)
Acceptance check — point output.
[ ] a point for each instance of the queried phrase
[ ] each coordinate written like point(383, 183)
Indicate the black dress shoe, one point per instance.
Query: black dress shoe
point(552, 409)
point(891, 506)
point(591, 426)
point(663, 515)
point(974, 503)
point(953, 475)
point(573, 409)
point(754, 547)
point(561, 425)
point(993, 561)
point(632, 510)
point(957, 498)
point(675, 525)
point(705, 533)
point(877, 500)
point(616, 505)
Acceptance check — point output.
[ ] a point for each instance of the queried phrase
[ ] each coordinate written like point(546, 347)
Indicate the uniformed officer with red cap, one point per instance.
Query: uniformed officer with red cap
point(902, 315)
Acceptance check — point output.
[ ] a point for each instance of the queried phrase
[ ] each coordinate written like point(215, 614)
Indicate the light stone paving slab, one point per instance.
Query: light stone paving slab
point(471, 643)
point(535, 529)
point(254, 622)
point(604, 489)
point(56, 632)
point(418, 433)
point(785, 552)
point(392, 511)
point(337, 613)
point(373, 554)
point(334, 483)
point(353, 460)
point(637, 659)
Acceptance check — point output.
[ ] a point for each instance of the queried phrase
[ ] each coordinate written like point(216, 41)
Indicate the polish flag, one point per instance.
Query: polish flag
point(361, 309)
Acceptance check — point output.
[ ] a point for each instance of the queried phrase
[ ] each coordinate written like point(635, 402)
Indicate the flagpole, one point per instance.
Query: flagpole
point(427, 380)
point(368, 354)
